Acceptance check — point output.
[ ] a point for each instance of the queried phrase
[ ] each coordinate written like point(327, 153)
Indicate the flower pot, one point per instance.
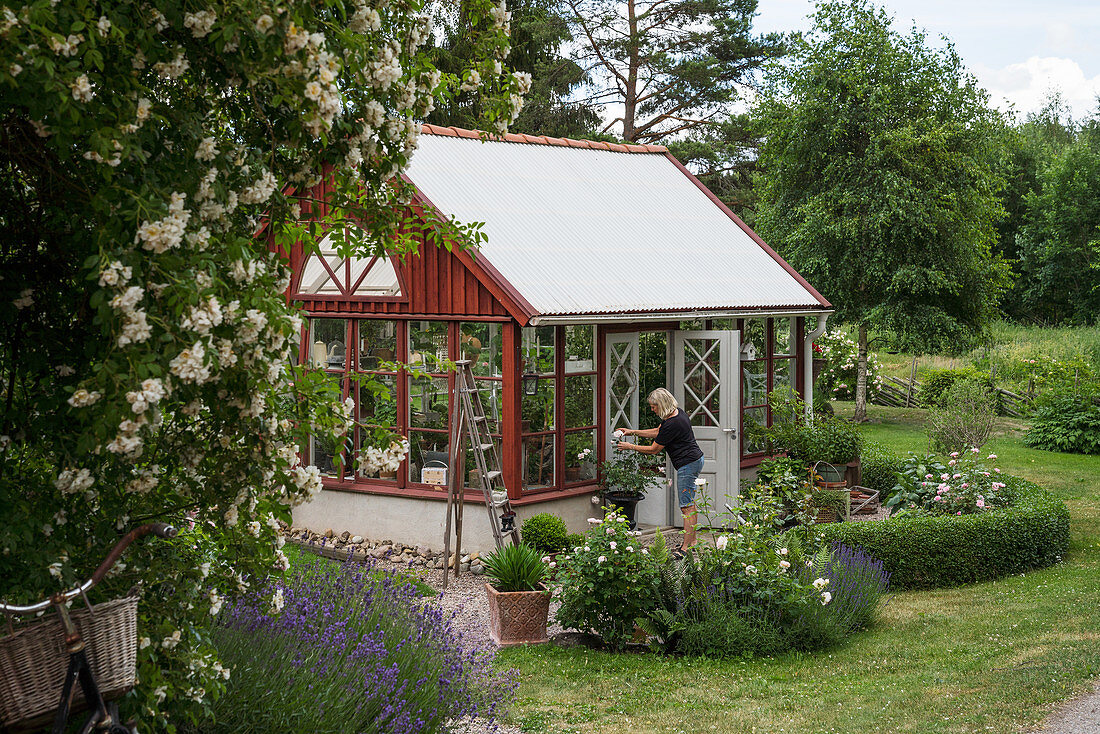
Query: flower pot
point(626, 503)
point(518, 617)
point(824, 514)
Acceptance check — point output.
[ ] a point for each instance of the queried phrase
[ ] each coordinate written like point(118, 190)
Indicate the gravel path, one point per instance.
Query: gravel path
point(1081, 715)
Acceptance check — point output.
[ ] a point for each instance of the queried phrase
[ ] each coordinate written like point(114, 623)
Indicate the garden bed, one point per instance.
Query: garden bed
point(923, 552)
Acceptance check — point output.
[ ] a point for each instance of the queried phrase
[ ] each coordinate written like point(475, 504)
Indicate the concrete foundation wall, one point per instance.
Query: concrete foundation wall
point(415, 521)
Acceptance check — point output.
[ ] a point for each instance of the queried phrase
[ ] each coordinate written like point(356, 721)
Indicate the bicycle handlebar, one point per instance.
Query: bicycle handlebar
point(160, 529)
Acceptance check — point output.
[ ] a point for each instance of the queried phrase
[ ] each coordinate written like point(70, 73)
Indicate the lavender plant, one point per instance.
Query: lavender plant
point(856, 582)
point(352, 650)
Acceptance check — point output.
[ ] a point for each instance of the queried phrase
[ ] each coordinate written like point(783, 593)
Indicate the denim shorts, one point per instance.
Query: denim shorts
point(685, 481)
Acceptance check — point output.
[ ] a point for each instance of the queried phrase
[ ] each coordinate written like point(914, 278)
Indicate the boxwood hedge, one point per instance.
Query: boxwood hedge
point(924, 552)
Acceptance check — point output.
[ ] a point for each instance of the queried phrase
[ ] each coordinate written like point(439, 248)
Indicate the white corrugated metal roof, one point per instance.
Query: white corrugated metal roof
point(583, 231)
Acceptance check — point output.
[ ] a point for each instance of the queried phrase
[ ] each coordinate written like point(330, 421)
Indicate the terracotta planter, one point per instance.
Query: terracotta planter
point(518, 617)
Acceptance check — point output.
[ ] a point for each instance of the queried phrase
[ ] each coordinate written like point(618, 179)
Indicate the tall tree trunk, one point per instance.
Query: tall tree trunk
point(630, 98)
point(861, 377)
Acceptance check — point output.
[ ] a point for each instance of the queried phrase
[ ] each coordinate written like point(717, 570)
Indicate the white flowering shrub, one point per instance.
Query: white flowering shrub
point(155, 155)
point(841, 355)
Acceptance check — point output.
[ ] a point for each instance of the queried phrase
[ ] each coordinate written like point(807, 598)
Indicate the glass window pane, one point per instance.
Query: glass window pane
point(580, 401)
point(538, 409)
point(481, 344)
point(326, 340)
point(429, 399)
point(538, 349)
point(754, 340)
point(428, 343)
point(492, 397)
point(755, 418)
point(427, 451)
point(580, 348)
point(723, 324)
point(377, 400)
point(784, 374)
point(322, 455)
point(538, 462)
point(784, 337)
point(377, 343)
point(580, 456)
point(754, 383)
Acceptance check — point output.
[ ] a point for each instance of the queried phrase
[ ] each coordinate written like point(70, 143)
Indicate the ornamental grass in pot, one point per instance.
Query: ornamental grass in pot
point(519, 601)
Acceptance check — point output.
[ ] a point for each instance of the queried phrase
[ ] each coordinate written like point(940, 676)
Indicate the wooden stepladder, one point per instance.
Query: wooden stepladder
point(468, 419)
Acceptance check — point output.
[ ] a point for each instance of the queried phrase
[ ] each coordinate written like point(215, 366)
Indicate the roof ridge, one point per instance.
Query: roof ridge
point(461, 132)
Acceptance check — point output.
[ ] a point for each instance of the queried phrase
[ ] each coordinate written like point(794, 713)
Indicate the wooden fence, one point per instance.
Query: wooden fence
point(900, 393)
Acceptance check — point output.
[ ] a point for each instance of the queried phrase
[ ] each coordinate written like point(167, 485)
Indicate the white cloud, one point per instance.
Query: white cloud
point(1024, 86)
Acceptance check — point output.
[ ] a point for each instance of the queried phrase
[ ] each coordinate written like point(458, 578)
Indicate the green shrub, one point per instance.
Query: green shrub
point(937, 382)
point(1065, 422)
point(573, 540)
point(923, 552)
point(723, 633)
point(821, 438)
point(879, 468)
point(545, 533)
point(514, 568)
point(963, 418)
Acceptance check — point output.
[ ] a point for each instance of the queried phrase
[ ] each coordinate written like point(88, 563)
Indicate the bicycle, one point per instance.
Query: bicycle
point(31, 660)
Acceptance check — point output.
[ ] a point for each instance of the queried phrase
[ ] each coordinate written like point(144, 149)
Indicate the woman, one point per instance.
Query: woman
point(675, 436)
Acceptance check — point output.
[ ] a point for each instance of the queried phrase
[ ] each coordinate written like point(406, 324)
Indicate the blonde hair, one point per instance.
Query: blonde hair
point(664, 402)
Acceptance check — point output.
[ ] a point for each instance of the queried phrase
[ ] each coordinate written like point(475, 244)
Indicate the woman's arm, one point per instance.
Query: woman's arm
point(653, 448)
point(649, 433)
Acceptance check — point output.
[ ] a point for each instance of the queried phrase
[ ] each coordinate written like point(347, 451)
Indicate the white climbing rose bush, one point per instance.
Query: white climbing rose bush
point(154, 156)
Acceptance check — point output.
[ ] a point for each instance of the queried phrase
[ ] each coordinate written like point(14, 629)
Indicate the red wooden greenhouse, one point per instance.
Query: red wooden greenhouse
point(608, 270)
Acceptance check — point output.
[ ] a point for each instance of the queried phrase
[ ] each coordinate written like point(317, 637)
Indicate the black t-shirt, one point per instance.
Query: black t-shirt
point(676, 436)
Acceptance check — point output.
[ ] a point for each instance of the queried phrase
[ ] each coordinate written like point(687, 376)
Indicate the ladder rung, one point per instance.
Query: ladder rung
point(485, 446)
point(492, 475)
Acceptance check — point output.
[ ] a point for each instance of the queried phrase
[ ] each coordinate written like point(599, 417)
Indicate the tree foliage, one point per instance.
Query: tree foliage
point(148, 354)
point(672, 65)
point(882, 179)
point(1059, 244)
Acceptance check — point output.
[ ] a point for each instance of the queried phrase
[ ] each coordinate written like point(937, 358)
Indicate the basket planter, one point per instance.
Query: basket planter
point(518, 617)
point(34, 660)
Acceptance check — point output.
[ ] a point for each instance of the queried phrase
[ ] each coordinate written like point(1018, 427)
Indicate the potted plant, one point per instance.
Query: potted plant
point(625, 478)
point(824, 442)
point(519, 601)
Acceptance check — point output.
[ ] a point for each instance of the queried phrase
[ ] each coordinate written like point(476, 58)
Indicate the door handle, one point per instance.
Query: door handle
point(731, 431)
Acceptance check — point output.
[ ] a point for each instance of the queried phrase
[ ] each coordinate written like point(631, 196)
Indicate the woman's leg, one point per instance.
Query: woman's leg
point(689, 526)
point(685, 485)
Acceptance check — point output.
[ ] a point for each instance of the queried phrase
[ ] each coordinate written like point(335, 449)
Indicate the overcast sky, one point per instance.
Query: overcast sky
point(1018, 49)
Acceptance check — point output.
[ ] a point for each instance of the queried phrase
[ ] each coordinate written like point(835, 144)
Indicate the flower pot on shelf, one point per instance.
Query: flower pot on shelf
point(518, 617)
point(625, 503)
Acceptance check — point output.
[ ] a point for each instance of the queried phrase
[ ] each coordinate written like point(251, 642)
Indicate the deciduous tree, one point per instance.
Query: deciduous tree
point(882, 180)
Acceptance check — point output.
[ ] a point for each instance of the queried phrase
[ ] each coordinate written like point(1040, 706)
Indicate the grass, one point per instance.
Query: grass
point(992, 657)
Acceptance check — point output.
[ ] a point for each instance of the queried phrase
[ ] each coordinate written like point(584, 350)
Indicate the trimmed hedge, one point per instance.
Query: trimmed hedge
point(937, 382)
point(925, 552)
point(879, 468)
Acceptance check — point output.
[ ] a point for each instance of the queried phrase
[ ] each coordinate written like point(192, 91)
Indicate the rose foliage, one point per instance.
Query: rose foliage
point(154, 155)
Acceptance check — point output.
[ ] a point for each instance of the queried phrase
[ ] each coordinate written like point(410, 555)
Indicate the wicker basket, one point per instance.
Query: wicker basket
point(33, 661)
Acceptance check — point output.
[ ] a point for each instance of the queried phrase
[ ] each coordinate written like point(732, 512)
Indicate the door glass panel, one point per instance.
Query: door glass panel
point(622, 384)
point(702, 381)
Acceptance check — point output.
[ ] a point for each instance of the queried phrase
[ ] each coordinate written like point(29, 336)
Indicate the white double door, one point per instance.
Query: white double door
point(705, 381)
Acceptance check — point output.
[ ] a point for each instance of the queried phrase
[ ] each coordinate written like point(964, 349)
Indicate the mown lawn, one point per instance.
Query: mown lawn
point(993, 657)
